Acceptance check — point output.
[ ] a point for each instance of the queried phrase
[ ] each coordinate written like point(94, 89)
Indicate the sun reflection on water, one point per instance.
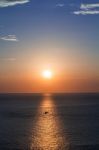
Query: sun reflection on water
point(47, 134)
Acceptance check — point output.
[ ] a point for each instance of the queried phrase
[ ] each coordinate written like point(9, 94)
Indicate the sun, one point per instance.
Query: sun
point(47, 74)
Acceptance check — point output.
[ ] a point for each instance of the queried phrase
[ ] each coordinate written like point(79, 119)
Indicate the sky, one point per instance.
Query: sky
point(59, 35)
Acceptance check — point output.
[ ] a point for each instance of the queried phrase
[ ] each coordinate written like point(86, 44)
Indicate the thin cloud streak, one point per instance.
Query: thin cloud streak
point(9, 38)
point(8, 59)
point(60, 5)
point(88, 12)
point(89, 6)
point(88, 9)
point(6, 3)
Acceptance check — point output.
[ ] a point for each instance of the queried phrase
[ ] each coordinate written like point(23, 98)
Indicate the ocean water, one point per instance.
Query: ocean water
point(49, 122)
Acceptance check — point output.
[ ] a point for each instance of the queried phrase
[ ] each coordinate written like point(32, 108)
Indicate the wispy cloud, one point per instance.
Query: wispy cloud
point(6, 3)
point(60, 5)
point(88, 9)
point(87, 12)
point(12, 38)
point(89, 6)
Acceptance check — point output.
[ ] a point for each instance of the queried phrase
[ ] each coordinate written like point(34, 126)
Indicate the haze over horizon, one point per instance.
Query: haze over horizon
point(58, 35)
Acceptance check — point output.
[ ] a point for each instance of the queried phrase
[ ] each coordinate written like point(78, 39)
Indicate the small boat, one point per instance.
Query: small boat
point(46, 112)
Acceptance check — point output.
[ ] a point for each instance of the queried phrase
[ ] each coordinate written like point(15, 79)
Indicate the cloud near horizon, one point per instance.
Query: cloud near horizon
point(8, 59)
point(12, 38)
point(88, 9)
point(6, 3)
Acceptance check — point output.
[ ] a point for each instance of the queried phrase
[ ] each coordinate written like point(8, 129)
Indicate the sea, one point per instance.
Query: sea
point(49, 121)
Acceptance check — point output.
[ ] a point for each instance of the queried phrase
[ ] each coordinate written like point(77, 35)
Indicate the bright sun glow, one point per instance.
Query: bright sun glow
point(47, 74)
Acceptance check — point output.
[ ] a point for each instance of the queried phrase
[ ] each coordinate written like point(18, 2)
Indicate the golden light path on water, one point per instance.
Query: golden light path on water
point(48, 134)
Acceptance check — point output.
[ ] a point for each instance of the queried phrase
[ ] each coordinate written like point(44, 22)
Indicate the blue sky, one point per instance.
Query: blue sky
point(41, 17)
point(54, 30)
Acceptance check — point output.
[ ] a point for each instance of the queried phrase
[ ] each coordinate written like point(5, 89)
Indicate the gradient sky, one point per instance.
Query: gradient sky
point(60, 35)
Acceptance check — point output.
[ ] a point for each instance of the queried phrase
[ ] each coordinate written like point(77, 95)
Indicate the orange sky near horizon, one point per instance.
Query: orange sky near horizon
point(35, 83)
point(72, 70)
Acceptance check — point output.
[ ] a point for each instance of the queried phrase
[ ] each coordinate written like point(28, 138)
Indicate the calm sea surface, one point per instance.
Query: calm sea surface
point(49, 122)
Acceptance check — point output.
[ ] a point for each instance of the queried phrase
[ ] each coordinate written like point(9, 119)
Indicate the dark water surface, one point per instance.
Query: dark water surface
point(49, 122)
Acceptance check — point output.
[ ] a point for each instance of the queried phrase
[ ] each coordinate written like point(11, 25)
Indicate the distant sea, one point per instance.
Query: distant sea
point(49, 122)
